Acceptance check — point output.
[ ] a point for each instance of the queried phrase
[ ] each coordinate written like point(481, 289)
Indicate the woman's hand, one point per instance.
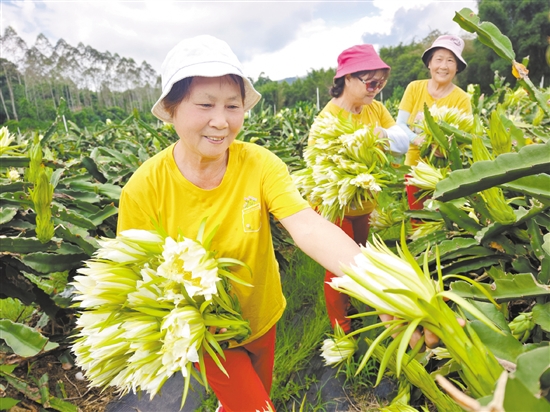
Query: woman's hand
point(418, 140)
point(430, 339)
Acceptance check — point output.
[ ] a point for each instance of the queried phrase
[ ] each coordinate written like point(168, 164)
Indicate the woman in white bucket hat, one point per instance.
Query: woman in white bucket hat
point(237, 185)
point(444, 61)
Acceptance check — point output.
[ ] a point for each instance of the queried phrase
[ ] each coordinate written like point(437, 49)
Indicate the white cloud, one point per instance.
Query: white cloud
point(280, 38)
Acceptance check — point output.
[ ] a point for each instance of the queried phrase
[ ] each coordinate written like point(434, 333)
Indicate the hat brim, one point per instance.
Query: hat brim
point(205, 69)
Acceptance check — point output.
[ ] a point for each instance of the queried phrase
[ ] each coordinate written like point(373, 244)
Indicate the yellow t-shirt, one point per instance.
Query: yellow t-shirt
point(256, 183)
point(374, 114)
point(416, 94)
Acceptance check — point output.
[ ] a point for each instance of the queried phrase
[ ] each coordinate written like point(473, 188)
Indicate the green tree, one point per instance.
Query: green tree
point(273, 93)
point(305, 89)
point(526, 23)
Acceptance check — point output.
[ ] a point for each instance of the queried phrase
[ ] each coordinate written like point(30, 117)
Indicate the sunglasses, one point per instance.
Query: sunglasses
point(373, 85)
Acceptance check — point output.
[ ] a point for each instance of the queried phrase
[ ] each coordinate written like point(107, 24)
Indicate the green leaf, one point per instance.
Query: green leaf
point(81, 195)
point(541, 315)
point(107, 211)
point(530, 367)
point(502, 345)
point(459, 218)
point(537, 186)
point(530, 160)
point(7, 214)
point(26, 245)
point(518, 398)
point(546, 244)
point(472, 263)
point(14, 161)
point(91, 167)
point(510, 287)
point(7, 403)
point(435, 130)
point(110, 191)
point(24, 340)
point(487, 33)
point(53, 262)
point(61, 214)
point(522, 216)
point(78, 236)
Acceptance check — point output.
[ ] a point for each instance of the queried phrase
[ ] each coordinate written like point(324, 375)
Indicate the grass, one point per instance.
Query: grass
point(301, 329)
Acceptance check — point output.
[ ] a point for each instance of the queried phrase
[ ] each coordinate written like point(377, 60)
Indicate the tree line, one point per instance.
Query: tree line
point(29, 100)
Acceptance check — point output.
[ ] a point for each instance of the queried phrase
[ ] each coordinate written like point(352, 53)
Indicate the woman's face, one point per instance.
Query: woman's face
point(443, 66)
point(364, 89)
point(210, 117)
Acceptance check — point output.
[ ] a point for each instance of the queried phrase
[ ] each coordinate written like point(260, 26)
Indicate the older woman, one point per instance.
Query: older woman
point(207, 173)
point(360, 76)
point(444, 60)
point(236, 185)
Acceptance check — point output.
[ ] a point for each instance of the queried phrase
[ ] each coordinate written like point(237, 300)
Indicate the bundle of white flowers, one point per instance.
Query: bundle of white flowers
point(345, 166)
point(453, 116)
point(151, 306)
point(397, 286)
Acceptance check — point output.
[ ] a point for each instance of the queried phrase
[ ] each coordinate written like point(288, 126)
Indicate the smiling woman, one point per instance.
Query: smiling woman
point(444, 60)
point(237, 185)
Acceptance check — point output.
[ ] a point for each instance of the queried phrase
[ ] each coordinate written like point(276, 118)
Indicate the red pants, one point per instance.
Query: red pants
point(414, 202)
point(250, 370)
point(356, 227)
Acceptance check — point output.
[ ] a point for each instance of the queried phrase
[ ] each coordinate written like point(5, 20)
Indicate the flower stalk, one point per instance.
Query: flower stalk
point(396, 285)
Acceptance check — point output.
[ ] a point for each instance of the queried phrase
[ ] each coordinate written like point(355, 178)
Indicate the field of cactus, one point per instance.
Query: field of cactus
point(481, 241)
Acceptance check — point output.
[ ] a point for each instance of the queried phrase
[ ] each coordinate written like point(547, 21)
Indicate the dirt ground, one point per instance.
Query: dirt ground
point(62, 382)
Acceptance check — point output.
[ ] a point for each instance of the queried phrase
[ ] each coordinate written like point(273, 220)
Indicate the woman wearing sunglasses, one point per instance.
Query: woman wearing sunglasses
point(360, 76)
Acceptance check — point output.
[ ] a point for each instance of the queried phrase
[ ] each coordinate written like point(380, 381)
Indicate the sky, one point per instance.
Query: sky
point(279, 39)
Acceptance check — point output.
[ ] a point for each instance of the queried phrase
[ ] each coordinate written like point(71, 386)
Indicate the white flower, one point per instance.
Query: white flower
point(118, 251)
point(185, 331)
point(104, 283)
point(378, 270)
point(366, 181)
point(337, 350)
point(13, 174)
point(142, 235)
point(187, 262)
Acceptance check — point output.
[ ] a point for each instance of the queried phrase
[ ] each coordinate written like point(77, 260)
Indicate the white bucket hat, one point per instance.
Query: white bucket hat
point(204, 56)
point(452, 43)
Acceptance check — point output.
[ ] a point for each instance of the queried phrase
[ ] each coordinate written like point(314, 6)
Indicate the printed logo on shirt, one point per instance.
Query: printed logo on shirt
point(252, 213)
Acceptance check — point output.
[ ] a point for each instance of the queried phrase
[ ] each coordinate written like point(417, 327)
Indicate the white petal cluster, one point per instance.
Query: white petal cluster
point(425, 176)
point(184, 329)
point(187, 262)
point(345, 166)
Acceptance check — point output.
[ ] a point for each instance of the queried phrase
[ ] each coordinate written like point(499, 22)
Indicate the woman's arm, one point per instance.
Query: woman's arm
point(321, 240)
point(402, 122)
point(398, 138)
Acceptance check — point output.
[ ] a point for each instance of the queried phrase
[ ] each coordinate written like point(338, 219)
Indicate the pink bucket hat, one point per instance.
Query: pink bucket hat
point(452, 43)
point(357, 59)
point(204, 56)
